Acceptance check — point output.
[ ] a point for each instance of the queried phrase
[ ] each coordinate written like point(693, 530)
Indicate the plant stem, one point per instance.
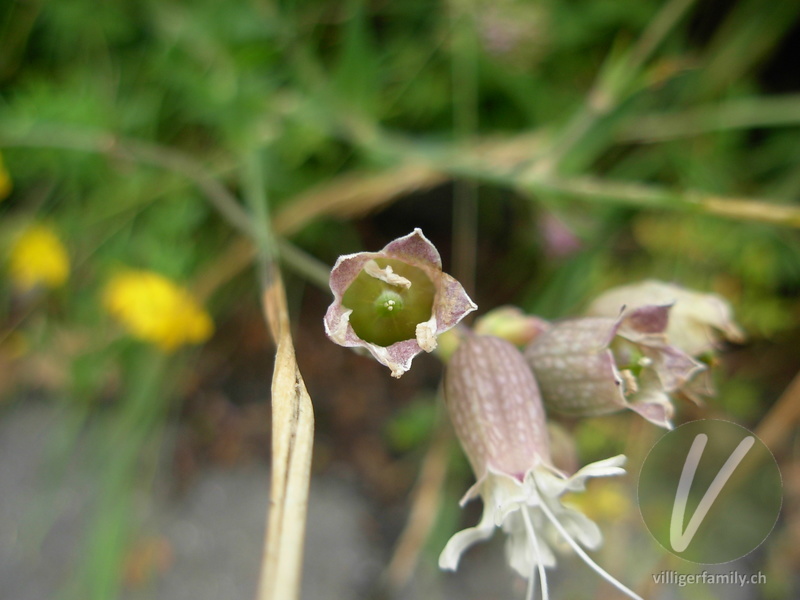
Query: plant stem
point(465, 123)
point(422, 165)
point(302, 263)
point(425, 500)
point(656, 31)
point(613, 83)
point(292, 412)
point(782, 419)
point(738, 114)
point(138, 151)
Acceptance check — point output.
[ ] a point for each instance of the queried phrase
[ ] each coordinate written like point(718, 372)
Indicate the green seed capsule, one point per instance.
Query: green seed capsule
point(389, 304)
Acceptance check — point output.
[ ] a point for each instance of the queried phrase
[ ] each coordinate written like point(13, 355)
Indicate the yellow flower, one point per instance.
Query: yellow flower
point(38, 258)
point(156, 310)
point(609, 501)
point(5, 180)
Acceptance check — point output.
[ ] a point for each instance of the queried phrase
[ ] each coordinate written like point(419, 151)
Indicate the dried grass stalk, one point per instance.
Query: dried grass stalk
point(292, 443)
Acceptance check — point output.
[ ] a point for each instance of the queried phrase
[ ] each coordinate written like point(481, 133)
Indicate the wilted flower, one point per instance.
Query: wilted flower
point(38, 258)
point(156, 310)
point(5, 180)
point(495, 407)
point(696, 320)
point(595, 366)
point(394, 302)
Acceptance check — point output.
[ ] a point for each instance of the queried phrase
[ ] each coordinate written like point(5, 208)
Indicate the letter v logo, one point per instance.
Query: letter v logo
point(710, 491)
point(679, 538)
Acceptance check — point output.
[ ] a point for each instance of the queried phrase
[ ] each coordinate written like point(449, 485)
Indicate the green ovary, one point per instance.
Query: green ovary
point(384, 314)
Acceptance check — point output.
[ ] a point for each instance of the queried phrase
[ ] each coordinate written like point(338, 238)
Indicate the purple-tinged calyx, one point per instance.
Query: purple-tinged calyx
point(494, 404)
point(594, 365)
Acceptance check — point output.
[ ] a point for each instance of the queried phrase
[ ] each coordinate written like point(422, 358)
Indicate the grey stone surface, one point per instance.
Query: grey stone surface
point(39, 523)
point(215, 530)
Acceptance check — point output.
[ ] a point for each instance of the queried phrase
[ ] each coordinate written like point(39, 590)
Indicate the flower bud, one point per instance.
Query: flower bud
point(510, 323)
point(394, 303)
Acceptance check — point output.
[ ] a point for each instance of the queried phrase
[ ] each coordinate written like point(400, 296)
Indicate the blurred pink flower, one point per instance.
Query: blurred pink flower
point(559, 240)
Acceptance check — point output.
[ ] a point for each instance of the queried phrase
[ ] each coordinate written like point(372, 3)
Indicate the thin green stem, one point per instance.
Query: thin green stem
point(465, 123)
point(304, 264)
point(657, 30)
point(610, 192)
point(255, 193)
point(611, 86)
point(137, 422)
point(634, 194)
point(737, 114)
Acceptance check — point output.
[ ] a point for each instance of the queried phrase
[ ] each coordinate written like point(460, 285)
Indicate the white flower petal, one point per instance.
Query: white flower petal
point(336, 326)
point(696, 319)
point(520, 548)
point(386, 274)
point(462, 540)
point(578, 525)
point(426, 335)
point(602, 468)
point(553, 485)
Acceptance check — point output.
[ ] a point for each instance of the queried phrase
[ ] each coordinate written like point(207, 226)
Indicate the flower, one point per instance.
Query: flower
point(595, 366)
point(558, 239)
point(695, 321)
point(156, 310)
point(5, 180)
point(494, 404)
point(394, 303)
point(38, 258)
